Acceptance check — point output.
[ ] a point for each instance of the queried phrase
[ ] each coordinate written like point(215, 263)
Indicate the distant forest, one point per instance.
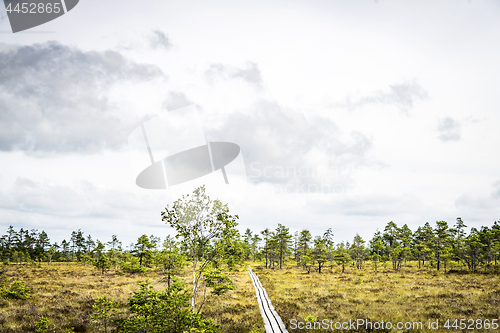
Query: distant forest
point(439, 247)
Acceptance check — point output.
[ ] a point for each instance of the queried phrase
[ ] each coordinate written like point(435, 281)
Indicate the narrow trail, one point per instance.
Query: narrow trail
point(272, 322)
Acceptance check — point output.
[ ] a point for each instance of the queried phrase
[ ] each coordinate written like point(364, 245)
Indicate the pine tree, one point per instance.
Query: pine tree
point(283, 239)
point(143, 249)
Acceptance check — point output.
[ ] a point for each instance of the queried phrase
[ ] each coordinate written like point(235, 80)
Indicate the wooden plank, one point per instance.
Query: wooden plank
point(272, 321)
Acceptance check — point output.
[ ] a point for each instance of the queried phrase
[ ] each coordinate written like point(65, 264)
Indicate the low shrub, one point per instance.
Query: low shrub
point(131, 268)
point(42, 326)
point(17, 290)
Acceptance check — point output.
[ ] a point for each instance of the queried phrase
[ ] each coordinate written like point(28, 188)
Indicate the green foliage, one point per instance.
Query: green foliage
point(170, 259)
point(132, 267)
point(282, 239)
point(103, 263)
point(143, 249)
point(310, 318)
point(17, 290)
point(342, 256)
point(104, 312)
point(320, 252)
point(303, 249)
point(358, 251)
point(164, 311)
point(42, 325)
point(207, 231)
point(218, 281)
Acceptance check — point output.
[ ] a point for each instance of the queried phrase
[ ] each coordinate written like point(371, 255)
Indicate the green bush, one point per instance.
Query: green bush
point(42, 325)
point(164, 311)
point(128, 267)
point(17, 290)
point(218, 281)
point(104, 312)
point(310, 319)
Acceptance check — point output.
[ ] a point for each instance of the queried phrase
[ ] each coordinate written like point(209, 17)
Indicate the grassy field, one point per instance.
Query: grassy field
point(410, 295)
point(64, 293)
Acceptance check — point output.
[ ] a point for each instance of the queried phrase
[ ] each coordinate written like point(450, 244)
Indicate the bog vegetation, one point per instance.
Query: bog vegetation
point(197, 280)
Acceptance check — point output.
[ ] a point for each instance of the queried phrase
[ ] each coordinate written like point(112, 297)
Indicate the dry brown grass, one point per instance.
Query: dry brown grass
point(65, 293)
point(408, 295)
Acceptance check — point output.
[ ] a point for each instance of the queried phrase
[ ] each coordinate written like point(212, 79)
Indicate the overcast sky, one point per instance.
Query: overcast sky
point(349, 114)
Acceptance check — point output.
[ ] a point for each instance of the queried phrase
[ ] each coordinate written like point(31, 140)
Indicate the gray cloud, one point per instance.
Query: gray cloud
point(84, 199)
point(402, 95)
point(283, 146)
point(158, 40)
point(448, 129)
point(251, 74)
point(175, 100)
point(53, 98)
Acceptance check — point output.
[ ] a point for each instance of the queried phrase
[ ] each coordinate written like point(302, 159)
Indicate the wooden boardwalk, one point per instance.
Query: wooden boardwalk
point(272, 322)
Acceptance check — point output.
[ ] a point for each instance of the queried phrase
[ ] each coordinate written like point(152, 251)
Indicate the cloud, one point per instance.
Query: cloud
point(368, 205)
point(496, 192)
point(283, 146)
point(152, 39)
point(448, 129)
point(176, 100)
point(96, 209)
point(54, 98)
point(158, 40)
point(401, 95)
point(82, 199)
point(251, 74)
point(480, 206)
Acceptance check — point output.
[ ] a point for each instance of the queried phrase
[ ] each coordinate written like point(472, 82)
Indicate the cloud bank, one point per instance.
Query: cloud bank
point(53, 98)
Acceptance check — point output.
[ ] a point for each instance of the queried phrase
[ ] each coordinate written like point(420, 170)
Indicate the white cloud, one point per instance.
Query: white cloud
point(402, 95)
point(448, 129)
point(480, 206)
point(251, 74)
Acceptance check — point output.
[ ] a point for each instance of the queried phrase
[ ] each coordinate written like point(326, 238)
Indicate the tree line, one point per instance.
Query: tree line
point(441, 247)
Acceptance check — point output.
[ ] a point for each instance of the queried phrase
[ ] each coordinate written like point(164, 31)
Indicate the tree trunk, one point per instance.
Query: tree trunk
point(193, 298)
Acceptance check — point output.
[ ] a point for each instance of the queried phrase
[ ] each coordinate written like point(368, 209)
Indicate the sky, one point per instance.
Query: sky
point(348, 114)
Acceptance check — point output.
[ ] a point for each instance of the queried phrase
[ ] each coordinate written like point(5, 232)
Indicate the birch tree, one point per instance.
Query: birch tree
point(205, 227)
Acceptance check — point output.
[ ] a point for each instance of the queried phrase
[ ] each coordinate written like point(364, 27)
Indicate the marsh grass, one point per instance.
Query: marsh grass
point(407, 295)
point(64, 294)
